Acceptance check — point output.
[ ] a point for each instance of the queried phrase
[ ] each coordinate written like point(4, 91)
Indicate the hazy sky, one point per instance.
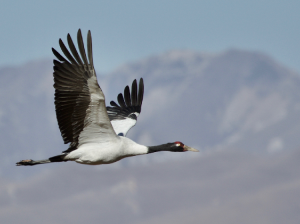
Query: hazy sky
point(124, 31)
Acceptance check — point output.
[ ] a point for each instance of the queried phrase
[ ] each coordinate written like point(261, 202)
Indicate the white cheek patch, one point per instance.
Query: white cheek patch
point(177, 145)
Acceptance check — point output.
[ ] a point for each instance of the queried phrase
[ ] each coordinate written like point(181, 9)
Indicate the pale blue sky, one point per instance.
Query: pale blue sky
point(127, 30)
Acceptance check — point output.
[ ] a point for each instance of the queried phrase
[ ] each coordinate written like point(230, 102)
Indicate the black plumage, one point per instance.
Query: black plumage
point(129, 104)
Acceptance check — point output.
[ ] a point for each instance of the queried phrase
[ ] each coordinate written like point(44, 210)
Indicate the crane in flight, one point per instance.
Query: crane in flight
point(96, 133)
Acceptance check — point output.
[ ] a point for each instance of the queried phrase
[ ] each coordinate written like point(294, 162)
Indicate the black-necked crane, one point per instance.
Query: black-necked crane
point(96, 133)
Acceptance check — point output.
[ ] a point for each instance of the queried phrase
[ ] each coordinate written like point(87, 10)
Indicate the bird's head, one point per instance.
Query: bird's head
point(180, 147)
point(171, 147)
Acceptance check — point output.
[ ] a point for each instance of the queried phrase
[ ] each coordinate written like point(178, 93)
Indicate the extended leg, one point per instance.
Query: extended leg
point(30, 162)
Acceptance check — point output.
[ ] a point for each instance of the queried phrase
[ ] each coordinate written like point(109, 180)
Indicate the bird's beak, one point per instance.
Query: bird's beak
point(187, 148)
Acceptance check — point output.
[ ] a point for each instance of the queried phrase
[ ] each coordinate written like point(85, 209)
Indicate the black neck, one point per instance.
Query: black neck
point(163, 147)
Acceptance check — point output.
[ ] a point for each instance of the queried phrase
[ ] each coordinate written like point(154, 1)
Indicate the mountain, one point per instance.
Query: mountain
point(239, 108)
point(235, 99)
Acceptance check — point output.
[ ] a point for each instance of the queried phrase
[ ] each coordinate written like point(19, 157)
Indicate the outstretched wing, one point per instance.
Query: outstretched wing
point(124, 116)
point(79, 101)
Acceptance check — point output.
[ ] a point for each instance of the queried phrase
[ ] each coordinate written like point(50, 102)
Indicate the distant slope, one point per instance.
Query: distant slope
point(228, 187)
point(235, 99)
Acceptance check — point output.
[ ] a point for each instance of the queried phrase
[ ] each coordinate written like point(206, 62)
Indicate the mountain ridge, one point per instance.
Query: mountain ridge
point(235, 99)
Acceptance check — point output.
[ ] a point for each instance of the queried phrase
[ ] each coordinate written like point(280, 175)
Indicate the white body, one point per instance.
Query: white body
point(106, 152)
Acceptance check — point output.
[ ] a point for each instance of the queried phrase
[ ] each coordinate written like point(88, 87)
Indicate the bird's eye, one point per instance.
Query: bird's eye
point(179, 144)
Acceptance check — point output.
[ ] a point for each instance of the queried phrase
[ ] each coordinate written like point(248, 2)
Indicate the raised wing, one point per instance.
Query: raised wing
point(79, 101)
point(124, 116)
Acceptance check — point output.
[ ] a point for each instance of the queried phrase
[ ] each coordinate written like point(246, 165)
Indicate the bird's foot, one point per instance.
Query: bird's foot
point(25, 162)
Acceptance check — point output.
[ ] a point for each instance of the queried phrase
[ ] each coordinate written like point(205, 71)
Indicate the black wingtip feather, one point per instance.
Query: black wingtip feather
point(58, 55)
point(90, 48)
point(141, 92)
point(127, 96)
point(66, 52)
point(73, 49)
point(81, 47)
point(134, 93)
point(121, 100)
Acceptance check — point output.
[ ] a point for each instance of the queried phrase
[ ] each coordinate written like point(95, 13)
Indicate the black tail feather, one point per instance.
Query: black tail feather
point(59, 158)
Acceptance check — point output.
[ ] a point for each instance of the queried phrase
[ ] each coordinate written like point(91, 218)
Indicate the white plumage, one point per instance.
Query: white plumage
point(106, 152)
